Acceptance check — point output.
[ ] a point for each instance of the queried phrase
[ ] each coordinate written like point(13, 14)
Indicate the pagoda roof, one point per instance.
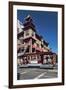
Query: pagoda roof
point(28, 17)
point(38, 36)
point(28, 27)
point(46, 43)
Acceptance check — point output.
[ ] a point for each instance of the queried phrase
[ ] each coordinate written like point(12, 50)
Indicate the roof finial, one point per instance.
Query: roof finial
point(28, 17)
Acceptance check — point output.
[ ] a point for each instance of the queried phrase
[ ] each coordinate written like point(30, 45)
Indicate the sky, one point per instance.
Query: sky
point(46, 25)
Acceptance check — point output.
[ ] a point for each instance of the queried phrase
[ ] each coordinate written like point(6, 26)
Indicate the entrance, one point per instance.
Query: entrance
point(33, 59)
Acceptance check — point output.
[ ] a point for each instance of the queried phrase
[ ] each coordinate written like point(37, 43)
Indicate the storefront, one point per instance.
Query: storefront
point(38, 58)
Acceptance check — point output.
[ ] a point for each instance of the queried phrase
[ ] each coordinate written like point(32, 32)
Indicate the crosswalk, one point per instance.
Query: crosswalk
point(34, 73)
point(42, 74)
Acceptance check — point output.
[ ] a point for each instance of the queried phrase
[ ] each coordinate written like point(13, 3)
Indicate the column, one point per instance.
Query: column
point(30, 49)
point(54, 58)
point(42, 59)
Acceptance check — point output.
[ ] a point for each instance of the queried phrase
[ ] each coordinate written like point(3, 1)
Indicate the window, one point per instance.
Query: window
point(37, 45)
point(27, 50)
point(27, 33)
point(33, 57)
point(22, 41)
point(22, 49)
point(32, 33)
point(33, 49)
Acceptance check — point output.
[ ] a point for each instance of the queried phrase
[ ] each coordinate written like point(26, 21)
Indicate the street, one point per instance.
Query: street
point(36, 73)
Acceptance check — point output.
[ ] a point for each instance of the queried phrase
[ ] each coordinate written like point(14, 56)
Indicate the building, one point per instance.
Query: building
point(31, 47)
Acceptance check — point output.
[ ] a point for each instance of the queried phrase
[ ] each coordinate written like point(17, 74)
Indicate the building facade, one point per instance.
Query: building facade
point(31, 47)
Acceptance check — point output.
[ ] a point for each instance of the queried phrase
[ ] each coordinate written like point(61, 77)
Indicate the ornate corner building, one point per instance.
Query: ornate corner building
point(31, 47)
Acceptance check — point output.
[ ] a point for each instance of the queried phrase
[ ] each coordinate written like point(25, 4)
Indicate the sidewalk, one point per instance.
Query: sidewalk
point(41, 66)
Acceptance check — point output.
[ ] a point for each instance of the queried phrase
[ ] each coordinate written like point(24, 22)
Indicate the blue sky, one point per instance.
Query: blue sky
point(46, 25)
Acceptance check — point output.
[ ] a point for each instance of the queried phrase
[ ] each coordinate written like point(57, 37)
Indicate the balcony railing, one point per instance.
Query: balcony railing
point(23, 45)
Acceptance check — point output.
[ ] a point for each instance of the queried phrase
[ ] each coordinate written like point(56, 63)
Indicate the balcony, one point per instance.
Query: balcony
point(20, 54)
point(23, 45)
point(37, 48)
